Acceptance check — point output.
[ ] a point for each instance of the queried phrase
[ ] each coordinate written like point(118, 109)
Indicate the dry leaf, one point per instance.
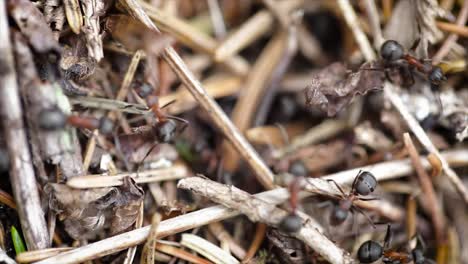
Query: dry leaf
point(334, 87)
point(86, 213)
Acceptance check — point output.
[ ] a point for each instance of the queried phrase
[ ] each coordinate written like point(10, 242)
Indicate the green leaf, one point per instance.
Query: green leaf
point(17, 241)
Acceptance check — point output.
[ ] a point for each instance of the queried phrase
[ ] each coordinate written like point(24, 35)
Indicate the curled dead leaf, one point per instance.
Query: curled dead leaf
point(334, 87)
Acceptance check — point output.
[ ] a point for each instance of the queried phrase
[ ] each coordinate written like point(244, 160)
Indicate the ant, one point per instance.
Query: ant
point(292, 223)
point(371, 251)
point(165, 127)
point(364, 183)
point(53, 119)
point(391, 52)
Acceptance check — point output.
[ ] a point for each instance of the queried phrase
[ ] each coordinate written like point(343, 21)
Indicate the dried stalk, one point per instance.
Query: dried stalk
point(353, 23)
point(395, 99)
point(182, 254)
point(36, 255)
point(260, 232)
point(373, 14)
point(73, 14)
point(222, 122)
point(382, 171)
point(254, 92)
point(207, 249)
point(92, 9)
point(222, 235)
point(255, 27)
point(324, 130)
point(258, 210)
point(450, 40)
point(191, 36)
point(217, 20)
point(430, 198)
point(22, 175)
point(174, 172)
point(453, 28)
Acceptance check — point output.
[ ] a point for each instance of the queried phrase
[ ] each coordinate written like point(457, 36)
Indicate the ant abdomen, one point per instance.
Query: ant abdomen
point(166, 131)
point(369, 252)
point(391, 51)
point(365, 183)
point(338, 215)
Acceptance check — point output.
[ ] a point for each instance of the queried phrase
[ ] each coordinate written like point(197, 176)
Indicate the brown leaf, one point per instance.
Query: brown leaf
point(33, 25)
point(334, 87)
point(86, 213)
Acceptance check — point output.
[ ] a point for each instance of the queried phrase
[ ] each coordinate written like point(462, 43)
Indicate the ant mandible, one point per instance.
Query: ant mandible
point(364, 184)
point(371, 251)
point(391, 52)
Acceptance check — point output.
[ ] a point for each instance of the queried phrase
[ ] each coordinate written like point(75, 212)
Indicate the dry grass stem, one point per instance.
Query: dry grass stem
point(382, 171)
point(22, 176)
point(148, 252)
point(222, 235)
point(272, 135)
point(192, 37)
point(182, 254)
point(73, 14)
point(453, 28)
point(253, 92)
point(7, 199)
point(177, 171)
point(450, 40)
point(391, 94)
point(250, 31)
point(109, 104)
point(425, 182)
point(260, 232)
point(323, 131)
point(222, 122)
point(258, 210)
point(207, 249)
point(36, 255)
point(353, 23)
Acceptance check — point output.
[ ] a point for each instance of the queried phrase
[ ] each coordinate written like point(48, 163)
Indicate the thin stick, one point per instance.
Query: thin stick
point(374, 20)
point(254, 92)
point(174, 172)
point(353, 23)
point(217, 19)
point(445, 49)
point(258, 210)
point(453, 28)
point(262, 172)
point(256, 243)
point(392, 95)
point(192, 37)
point(207, 249)
point(22, 177)
point(180, 253)
point(222, 235)
point(324, 130)
point(382, 171)
point(432, 202)
point(255, 27)
point(36, 255)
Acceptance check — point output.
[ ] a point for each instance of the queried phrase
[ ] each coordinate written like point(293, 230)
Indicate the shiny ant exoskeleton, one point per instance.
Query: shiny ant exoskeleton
point(392, 52)
point(364, 184)
point(54, 119)
point(165, 128)
point(371, 251)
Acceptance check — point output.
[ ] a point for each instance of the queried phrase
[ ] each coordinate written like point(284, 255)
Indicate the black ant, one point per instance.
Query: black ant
point(371, 251)
point(292, 222)
point(391, 52)
point(364, 183)
point(54, 119)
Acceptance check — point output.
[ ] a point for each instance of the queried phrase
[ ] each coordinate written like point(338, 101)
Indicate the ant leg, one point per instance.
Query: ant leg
point(368, 198)
point(337, 186)
point(146, 155)
point(184, 122)
point(355, 180)
point(364, 214)
point(420, 243)
point(168, 103)
point(388, 237)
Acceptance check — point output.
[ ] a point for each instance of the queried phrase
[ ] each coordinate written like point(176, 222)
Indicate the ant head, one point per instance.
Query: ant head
point(338, 215)
point(52, 119)
point(297, 168)
point(369, 252)
point(106, 126)
point(436, 76)
point(290, 223)
point(166, 131)
point(391, 51)
point(365, 183)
